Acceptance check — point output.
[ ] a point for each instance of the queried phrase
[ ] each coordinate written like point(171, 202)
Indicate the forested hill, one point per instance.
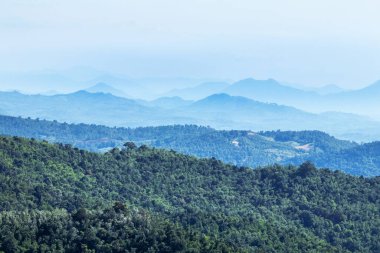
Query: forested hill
point(243, 148)
point(53, 187)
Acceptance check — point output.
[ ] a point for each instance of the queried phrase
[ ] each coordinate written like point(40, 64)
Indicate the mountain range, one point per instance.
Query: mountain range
point(200, 91)
point(107, 89)
point(312, 100)
point(327, 89)
point(234, 188)
point(220, 111)
point(243, 148)
point(316, 100)
point(81, 77)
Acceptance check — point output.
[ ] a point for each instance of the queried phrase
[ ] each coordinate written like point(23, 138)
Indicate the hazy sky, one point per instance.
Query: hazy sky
point(298, 41)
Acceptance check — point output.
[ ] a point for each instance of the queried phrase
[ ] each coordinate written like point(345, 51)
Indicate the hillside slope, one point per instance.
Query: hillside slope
point(244, 148)
point(274, 209)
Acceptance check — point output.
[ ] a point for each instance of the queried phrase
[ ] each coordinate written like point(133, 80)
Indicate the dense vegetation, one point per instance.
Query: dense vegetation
point(243, 148)
point(115, 229)
point(205, 203)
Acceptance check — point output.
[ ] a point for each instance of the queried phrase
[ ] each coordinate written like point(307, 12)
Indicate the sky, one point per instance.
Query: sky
point(312, 43)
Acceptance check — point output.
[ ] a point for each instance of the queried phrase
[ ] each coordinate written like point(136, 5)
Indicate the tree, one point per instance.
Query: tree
point(130, 145)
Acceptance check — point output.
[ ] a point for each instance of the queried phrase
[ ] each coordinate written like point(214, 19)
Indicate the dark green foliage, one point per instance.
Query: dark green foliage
point(273, 209)
point(366, 157)
point(243, 148)
point(109, 230)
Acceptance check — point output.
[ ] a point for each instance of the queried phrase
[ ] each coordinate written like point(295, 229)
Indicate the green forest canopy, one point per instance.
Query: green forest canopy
point(243, 148)
point(207, 203)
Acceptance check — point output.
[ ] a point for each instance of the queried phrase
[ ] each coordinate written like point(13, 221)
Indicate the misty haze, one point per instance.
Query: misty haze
point(197, 126)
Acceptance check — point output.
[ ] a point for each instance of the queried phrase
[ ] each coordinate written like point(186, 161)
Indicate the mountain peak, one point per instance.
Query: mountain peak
point(254, 83)
point(219, 96)
point(102, 87)
point(223, 99)
point(251, 79)
point(371, 90)
point(78, 93)
point(375, 85)
point(91, 95)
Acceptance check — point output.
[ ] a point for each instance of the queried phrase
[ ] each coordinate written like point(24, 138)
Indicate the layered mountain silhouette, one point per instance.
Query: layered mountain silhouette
point(328, 98)
point(316, 100)
point(168, 102)
point(328, 89)
point(200, 91)
point(363, 101)
point(221, 111)
point(107, 89)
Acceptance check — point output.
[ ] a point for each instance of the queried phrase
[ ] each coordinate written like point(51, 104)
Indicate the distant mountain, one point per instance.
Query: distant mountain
point(368, 94)
point(328, 98)
point(107, 89)
point(363, 101)
point(231, 112)
point(241, 109)
point(200, 91)
point(375, 87)
point(268, 90)
point(84, 107)
point(127, 86)
point(49, 93)
point(145, 88)
point(79, 78)
point(220, 111)
point(315, 100)
point(169, 102)
point(273, 92)
point(323, 90)
point(328, 89)
point(225, 102)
